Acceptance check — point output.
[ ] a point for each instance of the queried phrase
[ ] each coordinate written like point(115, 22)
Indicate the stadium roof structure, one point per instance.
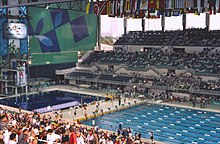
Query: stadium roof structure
point(76, 5)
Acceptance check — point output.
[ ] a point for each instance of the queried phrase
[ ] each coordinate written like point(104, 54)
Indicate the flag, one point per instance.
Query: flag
point(161, 7)
point(195, 3)
point(87, 8)
point(132, 7)
point(152, 11)
point(168, 4)
point(173, 4)
point(144, 5)
point(152, 4)
point(189, 4)
point(202, 3)
point(138, 6)
point(117, 6)
point(122, 5)
point(217, 5)
point(101, 7)
point(199, 6)
point(112, 8)
point(211, 6)
point(108, 7)
point(196, 11)
point(157, 4)
point(177, 4)
point(127, 5)
point(91, 7)
point(175, 13)
point(168, 13)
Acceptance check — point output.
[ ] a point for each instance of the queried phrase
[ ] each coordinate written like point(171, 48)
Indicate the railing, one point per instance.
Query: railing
point(64, 71)
point(86, 55)
point(165, 87)
point(174, 38)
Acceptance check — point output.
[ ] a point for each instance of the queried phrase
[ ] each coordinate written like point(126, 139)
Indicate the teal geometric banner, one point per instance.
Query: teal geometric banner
point(56, 35)
point(23, 42)
point(3, 41)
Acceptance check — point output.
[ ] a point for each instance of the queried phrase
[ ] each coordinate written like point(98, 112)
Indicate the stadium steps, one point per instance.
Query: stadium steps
point(174, 38)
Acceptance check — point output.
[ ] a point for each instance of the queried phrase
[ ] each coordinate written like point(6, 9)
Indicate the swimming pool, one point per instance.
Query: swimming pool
point(171, 125)
point(48, 101)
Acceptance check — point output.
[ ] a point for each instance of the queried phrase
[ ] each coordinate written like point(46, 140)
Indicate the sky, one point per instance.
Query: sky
point(114, 26)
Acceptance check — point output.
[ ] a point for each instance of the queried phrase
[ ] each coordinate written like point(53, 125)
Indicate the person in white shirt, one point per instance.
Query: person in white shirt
point(108, 141)
point(79, 138)
point(52, 137)
point(102, 140)
point(12, 139)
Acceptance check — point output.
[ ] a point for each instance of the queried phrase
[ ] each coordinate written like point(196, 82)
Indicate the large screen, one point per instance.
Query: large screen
point(15, 31)
point(56, 36)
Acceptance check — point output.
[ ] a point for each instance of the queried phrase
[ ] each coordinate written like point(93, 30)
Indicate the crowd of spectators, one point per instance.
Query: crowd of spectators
point(33, 128)
point(198, 37)
point(158, 38)
point(201, 62)
point(188, 37)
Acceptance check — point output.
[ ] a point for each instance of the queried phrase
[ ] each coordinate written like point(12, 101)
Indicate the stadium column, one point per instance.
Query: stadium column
point(15, 42)
point(163, 22)
point(184, 21)
point(125, 25)
point(99, 31)
point(207, 21)
point(143, 24)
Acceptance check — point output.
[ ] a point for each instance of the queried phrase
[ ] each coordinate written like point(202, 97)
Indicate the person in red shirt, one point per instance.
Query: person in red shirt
point(72, 136)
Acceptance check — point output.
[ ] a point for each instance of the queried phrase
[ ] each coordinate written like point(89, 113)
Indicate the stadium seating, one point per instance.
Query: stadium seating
point(198, 37)
point(146, 38)
point(188, 37)
point(82, 74)
point(201, 62)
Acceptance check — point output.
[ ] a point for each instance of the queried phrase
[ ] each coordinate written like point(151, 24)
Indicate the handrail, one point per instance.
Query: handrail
point(155, 86)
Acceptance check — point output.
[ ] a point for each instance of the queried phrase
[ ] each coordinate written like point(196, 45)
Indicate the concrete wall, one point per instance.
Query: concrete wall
point(181, 95)
point(142, 73)
point(162, 70)
point(72, 82)
point(207, 78)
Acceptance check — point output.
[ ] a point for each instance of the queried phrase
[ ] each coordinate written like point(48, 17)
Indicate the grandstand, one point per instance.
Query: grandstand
point(167, 59)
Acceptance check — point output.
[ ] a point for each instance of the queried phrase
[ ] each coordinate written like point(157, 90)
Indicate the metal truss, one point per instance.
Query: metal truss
point(75, 5)
point(78, 5)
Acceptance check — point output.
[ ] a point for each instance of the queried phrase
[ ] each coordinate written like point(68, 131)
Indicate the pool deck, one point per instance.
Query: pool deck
point(210, 108)
point(106, 107)
point(68, 114)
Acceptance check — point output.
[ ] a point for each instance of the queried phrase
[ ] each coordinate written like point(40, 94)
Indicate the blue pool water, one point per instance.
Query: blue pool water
point(47, 101)
point(171, 125)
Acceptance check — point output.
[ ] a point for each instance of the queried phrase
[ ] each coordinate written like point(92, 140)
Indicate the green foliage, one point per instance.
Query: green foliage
point(12, 48)
point(107, 40)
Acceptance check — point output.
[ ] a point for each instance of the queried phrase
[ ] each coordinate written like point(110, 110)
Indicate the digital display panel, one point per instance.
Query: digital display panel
point(15, 31)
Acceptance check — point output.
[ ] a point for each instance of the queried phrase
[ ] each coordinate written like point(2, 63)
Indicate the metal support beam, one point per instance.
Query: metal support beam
point(184, 21)
point(99, 31)
point(74, 5)
point(39, 2)
point(143, 24)
point(125, 25)
point(207, 21)
point(163, 22)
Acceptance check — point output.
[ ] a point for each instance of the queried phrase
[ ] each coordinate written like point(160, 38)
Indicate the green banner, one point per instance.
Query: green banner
point(56, 35)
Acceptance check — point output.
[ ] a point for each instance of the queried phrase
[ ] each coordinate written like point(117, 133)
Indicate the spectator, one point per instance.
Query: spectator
point(23, 139)
point(12, 139)
point(73, 139)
